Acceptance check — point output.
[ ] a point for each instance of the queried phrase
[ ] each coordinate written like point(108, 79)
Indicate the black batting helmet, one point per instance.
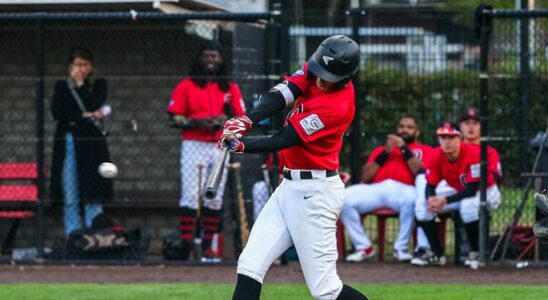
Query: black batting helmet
point(336, 59)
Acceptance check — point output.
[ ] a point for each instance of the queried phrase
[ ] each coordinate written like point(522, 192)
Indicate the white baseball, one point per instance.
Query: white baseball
point(108, 170)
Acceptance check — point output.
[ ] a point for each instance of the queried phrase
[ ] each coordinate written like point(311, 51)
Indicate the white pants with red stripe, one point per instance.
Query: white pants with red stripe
point(304, 213)
point(196, 155)
point(364, 198)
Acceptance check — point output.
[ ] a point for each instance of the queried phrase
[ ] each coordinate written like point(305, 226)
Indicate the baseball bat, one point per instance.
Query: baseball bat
point(244, 227)
point(214, 178)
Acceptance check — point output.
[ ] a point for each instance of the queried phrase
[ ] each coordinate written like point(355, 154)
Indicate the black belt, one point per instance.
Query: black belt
point(308, 174)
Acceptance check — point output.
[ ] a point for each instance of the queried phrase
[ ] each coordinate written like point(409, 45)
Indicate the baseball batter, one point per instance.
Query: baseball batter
point(388, 180)
point(458, 164)
point(199, 105)
point(304, 209)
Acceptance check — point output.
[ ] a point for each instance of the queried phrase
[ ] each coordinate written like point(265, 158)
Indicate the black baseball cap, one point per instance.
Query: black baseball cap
point(470, 113)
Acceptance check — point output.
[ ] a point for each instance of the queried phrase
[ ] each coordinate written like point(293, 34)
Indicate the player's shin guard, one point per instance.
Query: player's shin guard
point(431, 231)
point(349, 293)
point(187, 223)
point(472, 231)
point(247, 288)
point(211, 224)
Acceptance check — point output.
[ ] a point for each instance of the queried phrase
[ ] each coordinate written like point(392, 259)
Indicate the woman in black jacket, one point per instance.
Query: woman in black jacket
point(78, 106)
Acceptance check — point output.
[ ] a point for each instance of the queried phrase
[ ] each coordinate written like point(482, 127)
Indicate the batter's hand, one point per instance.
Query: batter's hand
point(232, 143)
point(435, 204)
point(237, 127)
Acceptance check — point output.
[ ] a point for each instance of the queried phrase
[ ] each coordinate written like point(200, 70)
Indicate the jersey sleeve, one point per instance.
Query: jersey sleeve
point(178, 100)
point(433, 174)
point(320, 122)
point(426, 156)
point(237, 101)
point(493, 162)
point(300, 78)
point(374, 154)
point(473, 166)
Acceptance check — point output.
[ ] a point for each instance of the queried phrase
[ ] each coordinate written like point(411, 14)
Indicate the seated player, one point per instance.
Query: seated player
point(388, 181)
point(458, 164)
point(470, 126)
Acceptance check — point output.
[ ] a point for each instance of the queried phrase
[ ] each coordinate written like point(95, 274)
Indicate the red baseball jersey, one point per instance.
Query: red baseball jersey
point(493, 161)
point(192, 101)
point(396, 167)
point(464, 170)
point(320, 119)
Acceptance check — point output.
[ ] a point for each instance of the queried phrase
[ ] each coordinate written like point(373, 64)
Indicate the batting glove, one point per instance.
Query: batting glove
point(237, 126)
point(234, 145)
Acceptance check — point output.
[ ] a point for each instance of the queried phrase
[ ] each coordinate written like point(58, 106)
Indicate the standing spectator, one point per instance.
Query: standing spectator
point(199, 105)
point(387, 181)
point(79, 106)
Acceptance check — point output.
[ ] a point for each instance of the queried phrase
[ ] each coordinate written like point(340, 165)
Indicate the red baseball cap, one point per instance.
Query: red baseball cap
point(448, 128)
point(470, 113)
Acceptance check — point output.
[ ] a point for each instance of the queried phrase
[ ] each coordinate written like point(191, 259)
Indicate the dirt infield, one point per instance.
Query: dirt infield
point(351, 273)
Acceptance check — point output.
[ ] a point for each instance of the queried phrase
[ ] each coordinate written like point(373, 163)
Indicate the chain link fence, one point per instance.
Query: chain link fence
point(423, 63)
point(137, 63)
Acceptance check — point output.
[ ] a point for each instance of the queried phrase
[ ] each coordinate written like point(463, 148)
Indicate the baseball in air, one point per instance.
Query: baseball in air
point(108, 170)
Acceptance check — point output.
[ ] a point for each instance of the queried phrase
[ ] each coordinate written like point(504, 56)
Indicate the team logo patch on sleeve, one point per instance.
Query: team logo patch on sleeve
point(311, 124)
point(475, 170)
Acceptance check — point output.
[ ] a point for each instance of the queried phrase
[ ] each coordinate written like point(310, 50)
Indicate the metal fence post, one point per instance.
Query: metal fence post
point(39, 62)
point(524, 89)
point(486, 26)
point(356, 135)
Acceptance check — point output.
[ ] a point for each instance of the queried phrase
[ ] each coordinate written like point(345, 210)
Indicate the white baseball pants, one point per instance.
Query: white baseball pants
point(303, 213)
point(196, 155)
point(364, 198)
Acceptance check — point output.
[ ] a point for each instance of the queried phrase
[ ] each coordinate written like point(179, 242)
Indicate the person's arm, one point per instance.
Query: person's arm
point(470, 190)
point(376, 160)
point(413, 163)
point(369, 171)
point(284, 138)
point(61, 109)
point(273, 101)
point(430, 190)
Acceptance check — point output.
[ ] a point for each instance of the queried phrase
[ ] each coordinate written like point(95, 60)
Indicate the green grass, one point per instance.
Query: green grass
point(279, 291)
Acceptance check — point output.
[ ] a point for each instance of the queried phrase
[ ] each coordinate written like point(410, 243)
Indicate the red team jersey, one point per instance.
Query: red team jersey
point(493, 161)
point(395, 167)
point(190, 100)
point(466, 169)
point(320, 119)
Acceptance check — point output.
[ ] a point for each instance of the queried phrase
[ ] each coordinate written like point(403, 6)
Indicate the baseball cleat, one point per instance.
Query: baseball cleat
point(402, 255)
point(429, 259)
point(472, 260)
point(541, 228)
point(362, 255)
point(542, 203)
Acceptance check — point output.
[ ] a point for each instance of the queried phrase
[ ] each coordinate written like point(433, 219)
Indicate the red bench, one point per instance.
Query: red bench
point(18, 196)
point(382, 215)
